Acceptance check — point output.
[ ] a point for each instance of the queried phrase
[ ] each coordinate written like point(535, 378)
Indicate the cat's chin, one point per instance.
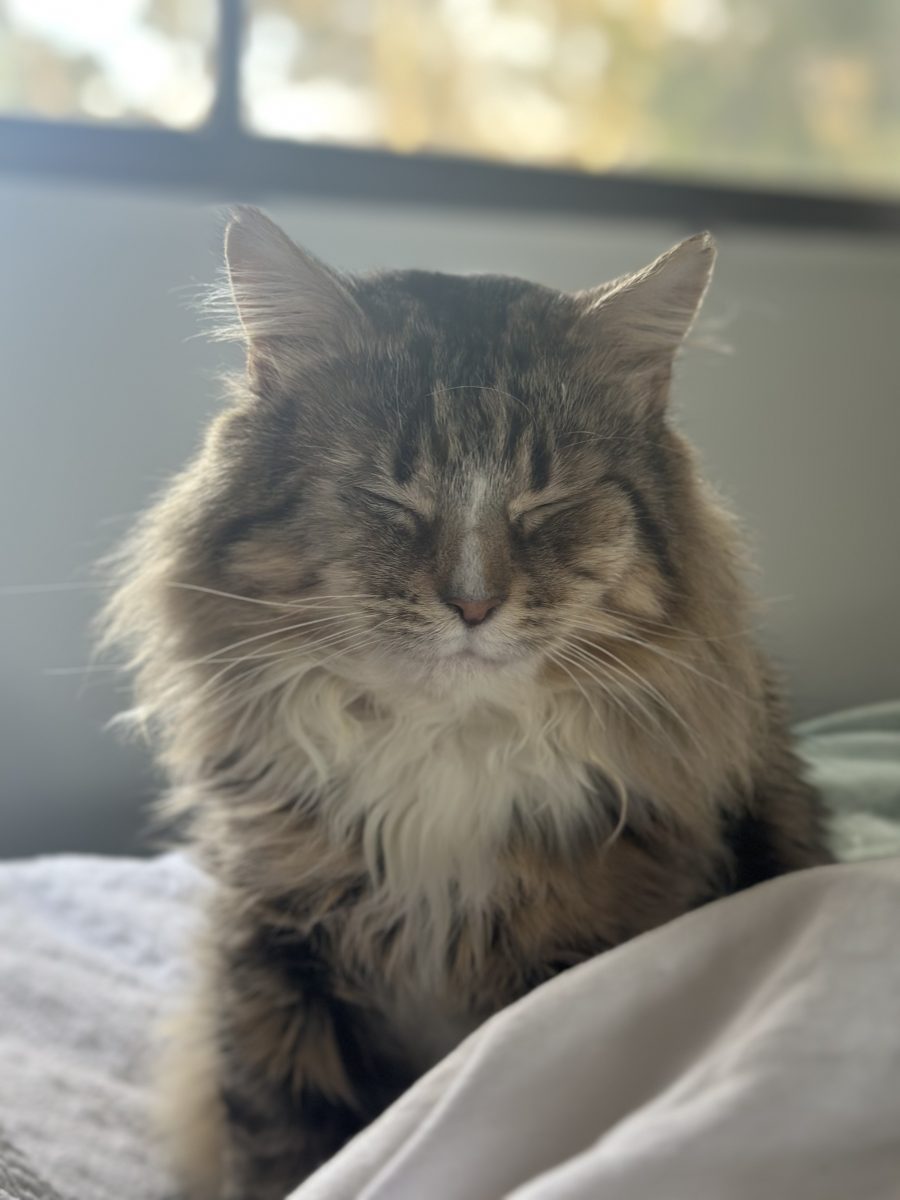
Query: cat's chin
point(467, 665)
point(469, 673)
point(471, 677)
point(475, 660)
point(464, 672)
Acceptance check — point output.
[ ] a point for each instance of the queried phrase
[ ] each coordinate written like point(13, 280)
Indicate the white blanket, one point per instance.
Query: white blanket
point(748, 1051)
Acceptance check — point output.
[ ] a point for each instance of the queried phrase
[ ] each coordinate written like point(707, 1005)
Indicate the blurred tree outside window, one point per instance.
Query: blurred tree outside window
point(778, 93)
point(137, 62)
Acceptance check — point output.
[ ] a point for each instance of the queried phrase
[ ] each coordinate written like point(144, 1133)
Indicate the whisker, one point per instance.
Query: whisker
point(357, 645)
point(590, 435)
point(677, 634)
point(290, 604)
point(629, 673)
point(328, 639)
point(272, 619)
point(674, 658)
point(663, 629)
point(619, 788)
point(257, 637)
point(585, 664)
point(356, 638)
point(214, 656)
point(234, 690)
point(627, 680)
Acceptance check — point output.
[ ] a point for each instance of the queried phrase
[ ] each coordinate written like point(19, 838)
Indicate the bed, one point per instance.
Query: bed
point(750, 1049)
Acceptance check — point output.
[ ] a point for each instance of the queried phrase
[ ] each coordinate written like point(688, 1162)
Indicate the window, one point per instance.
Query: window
point(794, 98)
point(782, 92)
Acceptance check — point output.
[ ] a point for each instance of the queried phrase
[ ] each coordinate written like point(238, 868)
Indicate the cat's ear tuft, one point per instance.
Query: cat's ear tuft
point(294, 311)
point(645, 317)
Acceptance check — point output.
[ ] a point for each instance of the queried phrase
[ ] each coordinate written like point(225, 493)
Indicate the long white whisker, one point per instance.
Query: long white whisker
point(289, 604)
point(584, 663)
point(213, 656)
point(587, 647)
point(328, 604)
point(674, 658)
point(326, 640)
point(356, 646)
point(587, 664)
point(620, 789)
point(630, 673)
point(270, 633)
point(591, 619)
point(234, 679)
point(356, 637)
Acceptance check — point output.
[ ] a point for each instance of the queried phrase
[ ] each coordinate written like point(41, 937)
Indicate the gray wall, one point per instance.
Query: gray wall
point(106, 386)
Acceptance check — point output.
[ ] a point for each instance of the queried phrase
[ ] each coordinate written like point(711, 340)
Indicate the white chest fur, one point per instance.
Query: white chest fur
point(436, 784)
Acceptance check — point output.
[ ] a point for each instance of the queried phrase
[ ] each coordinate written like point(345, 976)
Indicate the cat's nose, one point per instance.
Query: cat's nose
point(473, 612)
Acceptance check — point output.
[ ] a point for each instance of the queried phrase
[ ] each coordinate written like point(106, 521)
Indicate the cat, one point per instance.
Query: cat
point(444, 644)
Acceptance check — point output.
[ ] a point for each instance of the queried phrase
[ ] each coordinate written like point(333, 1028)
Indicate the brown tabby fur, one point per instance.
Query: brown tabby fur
point(411, 821)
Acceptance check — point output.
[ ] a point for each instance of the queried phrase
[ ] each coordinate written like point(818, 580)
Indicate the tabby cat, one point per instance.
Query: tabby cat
point(444, 645)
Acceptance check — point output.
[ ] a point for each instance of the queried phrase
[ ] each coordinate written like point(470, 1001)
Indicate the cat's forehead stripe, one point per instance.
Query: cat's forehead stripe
point(409, 440)
point(540, 461)
point(470, 420)
point(514, 428)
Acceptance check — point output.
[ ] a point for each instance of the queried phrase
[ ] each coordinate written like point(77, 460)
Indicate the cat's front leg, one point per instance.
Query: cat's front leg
point(277, 1133)
point(287, 1071)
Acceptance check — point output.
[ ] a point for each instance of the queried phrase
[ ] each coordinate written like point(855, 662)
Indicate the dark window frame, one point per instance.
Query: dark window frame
point(221, 157)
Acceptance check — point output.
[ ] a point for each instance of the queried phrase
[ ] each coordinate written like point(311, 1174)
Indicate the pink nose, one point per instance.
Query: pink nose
point(473, 612)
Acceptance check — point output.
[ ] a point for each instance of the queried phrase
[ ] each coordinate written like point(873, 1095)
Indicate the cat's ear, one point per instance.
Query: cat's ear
point(294, 311)
point(639, 322)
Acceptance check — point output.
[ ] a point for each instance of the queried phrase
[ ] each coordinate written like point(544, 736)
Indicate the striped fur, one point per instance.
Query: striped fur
point(412, 820)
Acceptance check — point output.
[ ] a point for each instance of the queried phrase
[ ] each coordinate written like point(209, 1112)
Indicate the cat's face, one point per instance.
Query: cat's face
point(469, 472)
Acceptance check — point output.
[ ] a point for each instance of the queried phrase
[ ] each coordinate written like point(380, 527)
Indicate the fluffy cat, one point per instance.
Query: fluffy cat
point(444, 646)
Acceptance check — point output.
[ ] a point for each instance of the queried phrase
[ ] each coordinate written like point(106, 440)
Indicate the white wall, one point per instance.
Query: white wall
point(105, 386)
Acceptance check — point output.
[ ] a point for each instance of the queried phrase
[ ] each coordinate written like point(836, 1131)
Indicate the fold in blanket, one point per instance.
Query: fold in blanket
point(750, 1049)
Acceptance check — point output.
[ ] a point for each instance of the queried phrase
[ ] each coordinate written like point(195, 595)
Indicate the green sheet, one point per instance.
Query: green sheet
point(854, 759)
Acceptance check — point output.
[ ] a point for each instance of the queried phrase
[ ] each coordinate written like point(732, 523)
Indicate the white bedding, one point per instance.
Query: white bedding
point(749, 1051)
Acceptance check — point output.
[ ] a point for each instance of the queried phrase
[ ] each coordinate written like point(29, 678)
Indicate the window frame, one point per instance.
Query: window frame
point(221, 157)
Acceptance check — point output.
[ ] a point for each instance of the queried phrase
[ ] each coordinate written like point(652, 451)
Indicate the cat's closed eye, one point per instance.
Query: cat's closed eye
point(379, 501)
point(530, 518)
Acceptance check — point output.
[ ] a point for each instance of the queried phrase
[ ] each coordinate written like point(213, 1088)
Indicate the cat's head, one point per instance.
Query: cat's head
point(443, 478)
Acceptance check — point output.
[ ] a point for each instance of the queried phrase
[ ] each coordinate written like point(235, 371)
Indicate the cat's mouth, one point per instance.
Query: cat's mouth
point(471, 658)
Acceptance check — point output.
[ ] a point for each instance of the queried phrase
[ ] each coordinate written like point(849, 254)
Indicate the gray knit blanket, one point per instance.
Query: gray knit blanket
point(90, 949)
